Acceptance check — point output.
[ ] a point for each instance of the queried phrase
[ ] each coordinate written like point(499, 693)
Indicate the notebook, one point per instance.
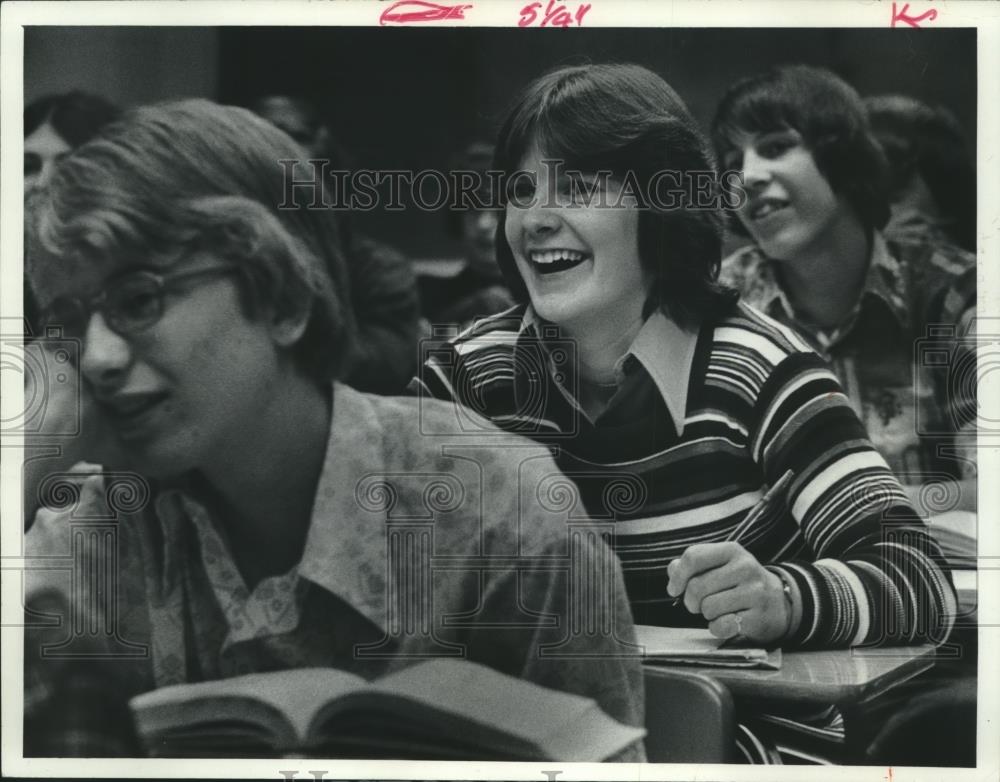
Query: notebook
point(697, 646)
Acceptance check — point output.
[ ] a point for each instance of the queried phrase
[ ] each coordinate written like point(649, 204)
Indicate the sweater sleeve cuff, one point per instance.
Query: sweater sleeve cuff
point(805, 579)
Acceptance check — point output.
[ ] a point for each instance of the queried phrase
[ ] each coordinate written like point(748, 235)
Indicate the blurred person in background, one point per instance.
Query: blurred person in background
point(478, 290)
point(932, 175)
point(56, 124)
point(383, 285)
point(53, 126)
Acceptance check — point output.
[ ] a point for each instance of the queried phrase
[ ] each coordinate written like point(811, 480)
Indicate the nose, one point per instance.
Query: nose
point(756, 168)
point(106, 355)
point(540, 218)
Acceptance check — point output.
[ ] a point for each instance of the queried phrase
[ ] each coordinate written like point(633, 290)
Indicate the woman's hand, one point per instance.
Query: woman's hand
point(727, 585)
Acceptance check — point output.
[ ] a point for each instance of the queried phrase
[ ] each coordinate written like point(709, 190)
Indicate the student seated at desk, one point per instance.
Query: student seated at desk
point(671, 405)
point(211, 335)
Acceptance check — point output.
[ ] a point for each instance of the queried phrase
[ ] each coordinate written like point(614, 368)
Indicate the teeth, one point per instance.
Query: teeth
point(765, 209)
point(551, 256)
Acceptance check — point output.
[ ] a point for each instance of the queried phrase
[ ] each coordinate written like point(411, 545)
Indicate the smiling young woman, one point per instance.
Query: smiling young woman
point(671, 406)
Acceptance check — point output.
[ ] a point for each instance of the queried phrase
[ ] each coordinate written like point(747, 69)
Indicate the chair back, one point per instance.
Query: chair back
point(689, 717)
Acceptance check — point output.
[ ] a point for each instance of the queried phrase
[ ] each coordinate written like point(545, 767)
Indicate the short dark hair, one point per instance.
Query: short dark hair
point(918, 138)
point(626, 119)
point(76, 116)
point(833, 123)
point(195, 175)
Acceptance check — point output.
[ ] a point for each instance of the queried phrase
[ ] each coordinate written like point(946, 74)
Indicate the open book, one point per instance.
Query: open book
point(696, 646)
point(434, 710)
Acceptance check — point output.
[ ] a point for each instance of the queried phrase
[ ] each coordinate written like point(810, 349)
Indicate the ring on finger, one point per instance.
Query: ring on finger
point(738, 618)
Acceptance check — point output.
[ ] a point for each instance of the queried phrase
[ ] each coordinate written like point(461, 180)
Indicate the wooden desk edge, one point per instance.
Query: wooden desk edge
point(775, 686)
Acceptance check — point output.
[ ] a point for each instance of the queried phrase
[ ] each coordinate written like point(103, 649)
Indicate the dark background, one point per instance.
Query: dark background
point(411, 98)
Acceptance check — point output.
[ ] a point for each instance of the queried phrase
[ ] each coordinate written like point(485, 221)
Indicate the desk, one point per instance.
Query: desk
point(844, 677)
point(847, 678)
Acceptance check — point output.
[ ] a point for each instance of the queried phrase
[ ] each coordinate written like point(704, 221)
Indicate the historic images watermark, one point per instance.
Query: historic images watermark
point(314, 184)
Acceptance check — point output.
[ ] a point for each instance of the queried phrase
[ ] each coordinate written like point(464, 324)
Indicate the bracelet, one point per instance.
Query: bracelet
point(786, 590)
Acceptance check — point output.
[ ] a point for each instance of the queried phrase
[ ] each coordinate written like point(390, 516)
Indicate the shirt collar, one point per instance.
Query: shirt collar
point(884, 280)
point(345, 549)
point(665, 351)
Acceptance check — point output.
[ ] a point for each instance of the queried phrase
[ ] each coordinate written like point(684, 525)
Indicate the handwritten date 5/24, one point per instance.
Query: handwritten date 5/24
point(554, 15)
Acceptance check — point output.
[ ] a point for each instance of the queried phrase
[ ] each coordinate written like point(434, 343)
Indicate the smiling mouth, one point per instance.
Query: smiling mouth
point(130, 414)
point(766, 208)
point(554, 261)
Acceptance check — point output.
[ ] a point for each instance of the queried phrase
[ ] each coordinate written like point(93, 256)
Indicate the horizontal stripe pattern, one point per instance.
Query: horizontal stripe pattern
point(760, 402)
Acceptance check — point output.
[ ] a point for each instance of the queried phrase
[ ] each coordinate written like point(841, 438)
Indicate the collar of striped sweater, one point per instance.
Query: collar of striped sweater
point(664, 349)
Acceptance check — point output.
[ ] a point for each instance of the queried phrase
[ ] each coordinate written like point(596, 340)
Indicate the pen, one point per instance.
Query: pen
point(753, 516)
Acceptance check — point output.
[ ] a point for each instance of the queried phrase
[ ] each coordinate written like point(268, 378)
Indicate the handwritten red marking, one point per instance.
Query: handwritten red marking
point(913, 21)
point(555, 15)
point(408, 11)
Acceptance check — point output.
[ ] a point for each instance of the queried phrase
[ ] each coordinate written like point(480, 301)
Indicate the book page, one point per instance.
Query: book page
point(298, 694)
point(506, 706)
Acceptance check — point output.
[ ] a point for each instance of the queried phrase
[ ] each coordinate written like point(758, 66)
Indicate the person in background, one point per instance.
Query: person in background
point(383, 286)
point(874, 306)
point(478, 290)
point(814, 178)
point(932, 176)
point(56, 124)
point(672, 406)
point(53, 126)
point(213, 327)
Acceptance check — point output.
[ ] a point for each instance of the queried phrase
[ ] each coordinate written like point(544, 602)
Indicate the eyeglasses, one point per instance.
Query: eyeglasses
point(129, 305)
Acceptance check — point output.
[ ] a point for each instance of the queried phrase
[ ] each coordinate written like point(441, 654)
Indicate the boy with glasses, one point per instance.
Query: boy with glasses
point(273, 523)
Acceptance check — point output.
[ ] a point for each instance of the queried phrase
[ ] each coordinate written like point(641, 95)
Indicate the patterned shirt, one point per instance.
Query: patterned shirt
point(701, 424)
point(423, 542)
point(917, 303)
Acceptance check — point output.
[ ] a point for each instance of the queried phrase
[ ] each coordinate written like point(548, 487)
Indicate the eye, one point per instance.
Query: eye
point(775, 146)
point(521, 190)
point(134, 303)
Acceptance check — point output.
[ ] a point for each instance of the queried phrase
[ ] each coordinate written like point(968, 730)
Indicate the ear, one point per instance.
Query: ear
point(288, 327)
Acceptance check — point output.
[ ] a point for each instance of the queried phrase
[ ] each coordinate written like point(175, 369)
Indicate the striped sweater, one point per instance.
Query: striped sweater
point(759, 402)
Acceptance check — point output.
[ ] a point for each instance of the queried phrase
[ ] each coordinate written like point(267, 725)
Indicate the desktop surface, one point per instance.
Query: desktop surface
point(837, 676)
